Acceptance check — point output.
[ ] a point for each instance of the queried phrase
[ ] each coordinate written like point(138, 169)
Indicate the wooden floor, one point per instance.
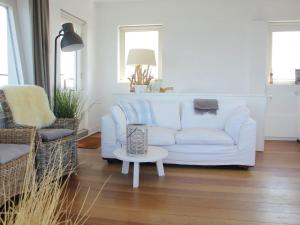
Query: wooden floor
point(267, 194)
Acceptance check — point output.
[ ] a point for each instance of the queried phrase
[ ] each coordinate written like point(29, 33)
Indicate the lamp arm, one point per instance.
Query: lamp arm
point(55, 66)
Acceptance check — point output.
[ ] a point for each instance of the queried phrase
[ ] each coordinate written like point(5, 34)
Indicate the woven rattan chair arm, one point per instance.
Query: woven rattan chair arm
point(66, 123)
point(19, 126)
point(17, 136)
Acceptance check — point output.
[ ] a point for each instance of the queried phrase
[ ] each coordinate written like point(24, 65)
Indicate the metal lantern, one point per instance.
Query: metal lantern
point(137, 139)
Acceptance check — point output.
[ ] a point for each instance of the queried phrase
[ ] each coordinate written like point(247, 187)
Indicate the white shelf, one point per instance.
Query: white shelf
point(190, 94)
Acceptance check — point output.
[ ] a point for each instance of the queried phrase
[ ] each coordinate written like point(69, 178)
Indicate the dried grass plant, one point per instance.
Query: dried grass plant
point(47, 201)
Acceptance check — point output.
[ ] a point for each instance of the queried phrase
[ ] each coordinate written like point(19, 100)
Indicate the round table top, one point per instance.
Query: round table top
point(154, 154)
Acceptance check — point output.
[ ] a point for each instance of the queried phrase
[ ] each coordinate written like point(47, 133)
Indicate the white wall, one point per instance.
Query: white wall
point(211, 46)
point(85, 11)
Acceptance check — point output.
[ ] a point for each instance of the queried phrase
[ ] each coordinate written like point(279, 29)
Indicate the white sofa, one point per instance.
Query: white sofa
point(227, 138)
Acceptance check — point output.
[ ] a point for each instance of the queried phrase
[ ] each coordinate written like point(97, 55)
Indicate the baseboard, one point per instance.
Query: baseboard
point(94, 130)
point(87, 132)
point(281, 138)
point(82, 133)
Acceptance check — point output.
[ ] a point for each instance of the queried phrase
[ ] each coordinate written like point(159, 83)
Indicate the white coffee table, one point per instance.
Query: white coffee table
point(154, 154)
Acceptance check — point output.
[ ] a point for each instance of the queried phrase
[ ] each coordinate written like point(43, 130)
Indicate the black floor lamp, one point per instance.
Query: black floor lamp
point(70, 42)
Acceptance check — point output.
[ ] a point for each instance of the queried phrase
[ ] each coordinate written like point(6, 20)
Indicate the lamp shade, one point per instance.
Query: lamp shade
point(70, 40)
point(140, 56)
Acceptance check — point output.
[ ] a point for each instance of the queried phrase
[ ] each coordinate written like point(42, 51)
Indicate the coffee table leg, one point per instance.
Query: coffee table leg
point(125, 167)
point(136, 174)
point(160, 168)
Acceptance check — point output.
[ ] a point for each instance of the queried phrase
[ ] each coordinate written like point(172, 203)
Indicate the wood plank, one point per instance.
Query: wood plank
point(267, 194)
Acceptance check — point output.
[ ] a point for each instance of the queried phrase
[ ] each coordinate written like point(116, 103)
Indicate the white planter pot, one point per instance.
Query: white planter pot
point(138, 89)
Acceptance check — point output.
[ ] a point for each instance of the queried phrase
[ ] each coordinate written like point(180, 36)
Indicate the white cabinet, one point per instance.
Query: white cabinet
point(298, 113)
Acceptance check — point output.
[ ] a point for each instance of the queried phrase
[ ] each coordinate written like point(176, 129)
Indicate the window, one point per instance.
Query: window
point(146, 37)
point(10, 66)
point(3, 46)
point(71, 62)
point(285, 52)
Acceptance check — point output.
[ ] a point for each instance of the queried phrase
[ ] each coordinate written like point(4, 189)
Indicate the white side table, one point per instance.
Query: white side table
point(154, 154)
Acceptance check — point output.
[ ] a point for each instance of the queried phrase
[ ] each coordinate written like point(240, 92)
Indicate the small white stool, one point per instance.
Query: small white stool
point(154, 154)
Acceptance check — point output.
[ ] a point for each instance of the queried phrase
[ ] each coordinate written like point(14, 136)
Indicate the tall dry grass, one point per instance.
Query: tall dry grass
point(47, 201)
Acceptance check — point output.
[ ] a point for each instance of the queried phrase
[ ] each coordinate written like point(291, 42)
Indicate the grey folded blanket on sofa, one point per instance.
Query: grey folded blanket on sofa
point(202, 106)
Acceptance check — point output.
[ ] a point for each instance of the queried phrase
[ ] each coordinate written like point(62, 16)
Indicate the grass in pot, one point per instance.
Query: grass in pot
point(68, 104)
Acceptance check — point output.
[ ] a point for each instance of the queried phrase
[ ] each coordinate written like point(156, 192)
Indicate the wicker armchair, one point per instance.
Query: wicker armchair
point(12, 173)
point(46, 150)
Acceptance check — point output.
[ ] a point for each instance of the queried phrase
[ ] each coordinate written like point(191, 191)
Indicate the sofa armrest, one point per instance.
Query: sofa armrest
point(235, 122)
point(247, 136)
point(108, 131)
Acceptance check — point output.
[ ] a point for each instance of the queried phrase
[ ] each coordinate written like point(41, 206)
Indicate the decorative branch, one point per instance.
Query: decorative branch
point(140, 77)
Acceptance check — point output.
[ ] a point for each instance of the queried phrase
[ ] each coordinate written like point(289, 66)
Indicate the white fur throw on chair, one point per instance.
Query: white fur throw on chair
point(29, 105)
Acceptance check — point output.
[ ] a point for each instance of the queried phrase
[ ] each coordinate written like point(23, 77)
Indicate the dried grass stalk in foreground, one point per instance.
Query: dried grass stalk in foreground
point(46, 202)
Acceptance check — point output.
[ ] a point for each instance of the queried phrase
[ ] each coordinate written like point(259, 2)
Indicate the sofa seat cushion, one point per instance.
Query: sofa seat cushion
point(54, 134)
point(158, 136)
point(203, 136)
point(9, 152)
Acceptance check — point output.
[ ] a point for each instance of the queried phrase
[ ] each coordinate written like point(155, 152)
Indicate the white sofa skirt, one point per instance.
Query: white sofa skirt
point(198, 155)
point(214, 155)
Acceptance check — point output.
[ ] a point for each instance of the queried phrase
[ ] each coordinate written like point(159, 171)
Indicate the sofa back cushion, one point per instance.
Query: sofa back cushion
point(166, 114)
point(120, 121)
point(190, 119)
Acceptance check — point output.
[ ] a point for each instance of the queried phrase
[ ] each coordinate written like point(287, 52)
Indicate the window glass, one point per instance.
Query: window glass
point(3, 46)
point(285, 55)
point(10, 63)
point(68, 70)
point(142, 37)
point(146, 40)
point(70, 63)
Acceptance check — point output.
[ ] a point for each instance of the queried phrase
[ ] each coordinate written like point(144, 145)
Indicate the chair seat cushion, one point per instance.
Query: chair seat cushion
point(54, 134)
point(203, 136)
point(9, 152)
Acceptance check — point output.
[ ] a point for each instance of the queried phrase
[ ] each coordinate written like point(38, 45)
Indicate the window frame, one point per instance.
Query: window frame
point(121, 47)
point(280, 27)
point(80, 55)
